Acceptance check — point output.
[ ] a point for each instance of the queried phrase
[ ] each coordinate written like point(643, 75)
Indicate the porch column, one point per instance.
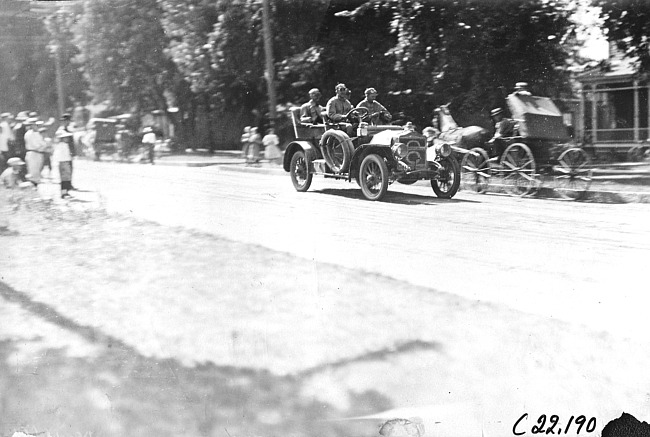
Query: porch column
point(594, 114)
point(636, 110)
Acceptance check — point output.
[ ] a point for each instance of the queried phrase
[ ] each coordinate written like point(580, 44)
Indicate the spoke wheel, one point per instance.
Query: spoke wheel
point(573, 174)
point(373, 177)
point(337, 150)
point(446, 184)
point(299, 171)
point(518, 167)
point(476, 170)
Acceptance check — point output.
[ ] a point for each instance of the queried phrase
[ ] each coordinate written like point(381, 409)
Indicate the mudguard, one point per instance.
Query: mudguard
point(311, 152)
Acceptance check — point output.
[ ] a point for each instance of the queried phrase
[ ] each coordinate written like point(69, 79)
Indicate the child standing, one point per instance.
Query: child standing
point(62, 155)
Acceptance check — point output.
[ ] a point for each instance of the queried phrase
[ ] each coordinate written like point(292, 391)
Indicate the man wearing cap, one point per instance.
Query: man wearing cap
point(12, 177)
point(6, 135)
point(20, 128)
point(35, 157)
point(503, 127)
point(378, 114)
point(521, 89)
point(312, 111)
point(339, 105)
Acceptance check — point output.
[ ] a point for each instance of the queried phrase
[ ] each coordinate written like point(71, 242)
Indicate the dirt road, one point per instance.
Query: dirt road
point(281, 310)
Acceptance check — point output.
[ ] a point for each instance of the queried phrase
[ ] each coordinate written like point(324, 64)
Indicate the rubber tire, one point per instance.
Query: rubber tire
point(449, 163)
point(333, 138)
point(299, 159)
point(373, 160)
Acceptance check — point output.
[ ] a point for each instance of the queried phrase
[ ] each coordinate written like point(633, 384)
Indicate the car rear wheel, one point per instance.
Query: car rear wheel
point(373, 177)
point(446, 184)
point(299, 170)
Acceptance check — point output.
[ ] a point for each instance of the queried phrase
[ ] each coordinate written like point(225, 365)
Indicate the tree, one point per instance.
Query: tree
point(123, 50)
point(628, 25)
point(60, 27)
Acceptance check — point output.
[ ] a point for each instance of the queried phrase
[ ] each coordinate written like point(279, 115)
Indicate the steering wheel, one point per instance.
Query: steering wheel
point(359, 113)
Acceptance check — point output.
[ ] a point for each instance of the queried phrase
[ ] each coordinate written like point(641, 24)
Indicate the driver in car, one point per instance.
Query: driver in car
point(338, 106)
point(378, 114)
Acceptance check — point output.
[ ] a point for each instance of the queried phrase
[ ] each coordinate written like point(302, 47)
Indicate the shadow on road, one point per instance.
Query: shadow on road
point(394, 197)
point(121, 392)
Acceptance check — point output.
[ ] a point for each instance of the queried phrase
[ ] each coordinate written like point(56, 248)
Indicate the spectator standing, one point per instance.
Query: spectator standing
point(6, 135)
point(62, 155)
point(20, 128)
point(148, 144)
point(271, 144)
point(35, 157)
point(245, 136)
point(254, 143)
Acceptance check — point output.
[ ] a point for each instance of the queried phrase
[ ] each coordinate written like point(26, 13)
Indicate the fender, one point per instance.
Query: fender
point(363, 151)
point(311, 152)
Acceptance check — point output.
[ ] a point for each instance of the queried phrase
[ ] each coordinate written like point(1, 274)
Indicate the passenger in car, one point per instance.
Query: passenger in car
point(312, 111)
point(377, 113)
point(339, 105)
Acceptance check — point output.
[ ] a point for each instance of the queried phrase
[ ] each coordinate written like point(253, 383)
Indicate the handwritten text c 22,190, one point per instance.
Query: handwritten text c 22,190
point(573, 425)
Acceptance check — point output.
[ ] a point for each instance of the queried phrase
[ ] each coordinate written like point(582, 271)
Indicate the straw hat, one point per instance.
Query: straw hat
point(15, 161)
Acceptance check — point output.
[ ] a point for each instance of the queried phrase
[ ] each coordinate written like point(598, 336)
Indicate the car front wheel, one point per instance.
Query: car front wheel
point(446, 184)
point(299, 170)
point(373, 177)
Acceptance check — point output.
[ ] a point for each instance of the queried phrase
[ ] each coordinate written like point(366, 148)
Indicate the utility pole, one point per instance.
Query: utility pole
point(269, 75)
point(59, 80)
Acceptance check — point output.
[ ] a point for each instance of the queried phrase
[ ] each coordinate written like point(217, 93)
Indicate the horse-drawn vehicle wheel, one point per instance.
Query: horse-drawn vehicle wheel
point(476, 170)
point(572, 174)
point(518, 167)
point(299, 170)
point(447, 183)
point(373, 177)
point(337, 150)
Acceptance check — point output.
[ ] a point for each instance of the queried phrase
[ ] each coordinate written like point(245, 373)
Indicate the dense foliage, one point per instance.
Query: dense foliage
point(628, 25)
point(207, 58)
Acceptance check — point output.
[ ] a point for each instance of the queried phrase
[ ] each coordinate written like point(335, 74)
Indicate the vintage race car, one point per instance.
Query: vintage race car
point(376, 157)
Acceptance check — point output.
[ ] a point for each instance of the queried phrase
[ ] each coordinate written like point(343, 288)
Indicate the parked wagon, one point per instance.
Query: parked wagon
point(539, 150)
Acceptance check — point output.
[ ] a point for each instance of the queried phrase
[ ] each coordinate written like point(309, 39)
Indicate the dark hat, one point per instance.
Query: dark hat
point(66, 116)
point(496, 111)
point(370, 91)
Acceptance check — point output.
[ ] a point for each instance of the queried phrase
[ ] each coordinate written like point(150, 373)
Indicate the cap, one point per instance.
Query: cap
point(15, 161)
point(33, 114)
point(370, 91)
point(496, 111)
point(147, 129)
point(66, 116)
point(521, 85)
point(340, 86)
point(5, 115)
point(31, 120)
point(314, 90)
